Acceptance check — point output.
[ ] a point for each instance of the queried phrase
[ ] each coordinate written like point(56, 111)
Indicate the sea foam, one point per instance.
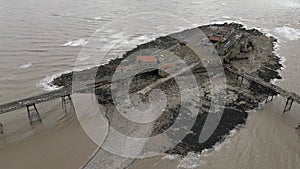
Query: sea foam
point(291, 4)
point(24, 66)
point(79, 42)
point(46, 83)
point(191, 160)
point(98, 18)
point(287, 33)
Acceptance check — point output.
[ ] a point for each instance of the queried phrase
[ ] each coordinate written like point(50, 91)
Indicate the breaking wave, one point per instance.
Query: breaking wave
point(191, 160)
point(291, 4)
point(98, 18)
point(46, 83)
point(288, 33)
point(195, 160)
point(79, 42)
point(24, 66)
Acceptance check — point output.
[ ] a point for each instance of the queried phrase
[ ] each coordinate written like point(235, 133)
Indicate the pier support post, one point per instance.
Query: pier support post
point(237, 79)
point(270, 94)
point(253, 84)
point(288, 104)
point(65, 100)
point(1, 128)
point(33, 113)
point(242, 79)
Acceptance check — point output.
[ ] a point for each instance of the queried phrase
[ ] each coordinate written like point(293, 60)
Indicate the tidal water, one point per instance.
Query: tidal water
point(40, 39)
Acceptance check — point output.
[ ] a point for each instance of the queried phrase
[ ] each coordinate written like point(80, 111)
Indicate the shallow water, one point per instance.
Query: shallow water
point(42, 38)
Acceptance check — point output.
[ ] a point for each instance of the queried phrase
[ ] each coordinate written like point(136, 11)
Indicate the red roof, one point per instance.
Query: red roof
point(214, 38)
point(168, 65)
point(148, 59)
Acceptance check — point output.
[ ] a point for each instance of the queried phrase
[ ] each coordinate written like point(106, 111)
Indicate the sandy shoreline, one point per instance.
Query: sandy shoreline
point(64, 146)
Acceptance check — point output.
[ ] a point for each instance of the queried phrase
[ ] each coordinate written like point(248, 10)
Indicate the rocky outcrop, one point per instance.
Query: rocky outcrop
point(249, 50)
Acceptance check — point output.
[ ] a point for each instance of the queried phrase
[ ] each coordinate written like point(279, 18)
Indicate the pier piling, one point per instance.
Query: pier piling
point(288, 104)
point(270, 94)
point(33, 113)
point(273, 89)
point(1, 128)
point(65, 93)
point(65, 100)
point(238, 81)
point(242, 79)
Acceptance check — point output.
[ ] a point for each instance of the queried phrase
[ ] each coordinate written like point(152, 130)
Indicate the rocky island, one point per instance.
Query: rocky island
point(238, 48)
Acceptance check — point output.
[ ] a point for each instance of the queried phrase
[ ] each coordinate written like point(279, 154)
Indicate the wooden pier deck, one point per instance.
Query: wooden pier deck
point(15, 105)
point(52, 95)
point(273, 89)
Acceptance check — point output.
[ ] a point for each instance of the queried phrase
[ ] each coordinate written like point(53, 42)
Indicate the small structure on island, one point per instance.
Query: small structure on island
point(146, 63)
point(147, 60)
point(214, 39)
point(167, 68)
point(183, 43)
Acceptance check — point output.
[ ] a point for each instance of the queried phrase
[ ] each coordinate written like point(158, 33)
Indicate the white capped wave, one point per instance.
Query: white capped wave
point(69, 13)
point(98, 18)
point(291, 4)
point(282, 59)
point(46, 84)
point(191, 160)
point(195, 160)
point(276, 52)
point(245, 19)
point(24, 66)
point(226, 17)
point(171, 156)
point(108, 30)
point(227, 140)
point(79, 42)
point(287, 33)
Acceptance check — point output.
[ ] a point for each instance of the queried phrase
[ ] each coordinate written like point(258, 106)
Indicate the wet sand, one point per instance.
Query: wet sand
point(64, 146)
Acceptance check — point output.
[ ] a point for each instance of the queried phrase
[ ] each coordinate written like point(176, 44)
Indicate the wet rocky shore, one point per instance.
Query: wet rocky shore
point(248, 50)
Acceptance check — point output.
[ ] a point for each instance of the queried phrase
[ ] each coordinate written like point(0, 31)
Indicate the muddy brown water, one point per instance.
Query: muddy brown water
point(42, 38)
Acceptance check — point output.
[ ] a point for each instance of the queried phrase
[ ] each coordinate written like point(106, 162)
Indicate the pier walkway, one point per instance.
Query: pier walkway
point(65, 93)
point(273, 89)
